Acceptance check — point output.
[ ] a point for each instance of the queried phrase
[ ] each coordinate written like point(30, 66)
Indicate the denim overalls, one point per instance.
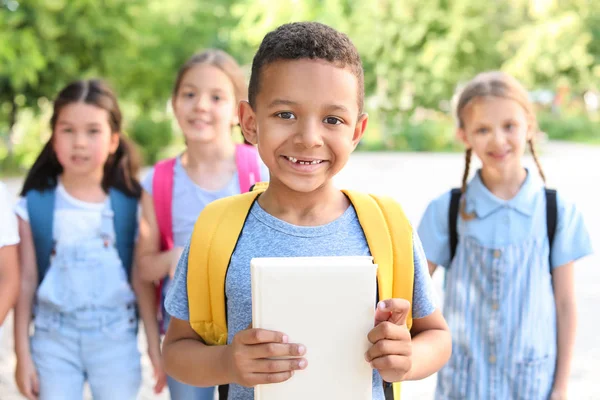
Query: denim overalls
point(85, 320)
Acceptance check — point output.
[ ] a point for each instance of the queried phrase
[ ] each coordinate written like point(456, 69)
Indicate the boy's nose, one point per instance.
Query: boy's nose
point(309, 135)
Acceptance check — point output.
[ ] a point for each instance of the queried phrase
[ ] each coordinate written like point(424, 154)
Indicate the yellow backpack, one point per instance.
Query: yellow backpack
point(387, 230)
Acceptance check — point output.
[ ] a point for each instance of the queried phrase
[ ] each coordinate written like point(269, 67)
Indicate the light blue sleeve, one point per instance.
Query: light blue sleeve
point(424, 299)
point(572, 240)
point(147, 181)
point(433, 231)
point(176, 301)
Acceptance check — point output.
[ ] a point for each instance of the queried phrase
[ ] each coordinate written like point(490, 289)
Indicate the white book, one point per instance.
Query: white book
point(326, 304)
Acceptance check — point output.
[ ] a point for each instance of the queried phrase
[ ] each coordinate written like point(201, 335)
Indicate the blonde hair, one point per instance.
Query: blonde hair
point(494, 84)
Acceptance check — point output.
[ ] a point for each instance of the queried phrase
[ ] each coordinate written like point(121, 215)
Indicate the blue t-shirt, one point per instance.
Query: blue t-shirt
point(264, 235)
point(502, 223)
point(189, 199)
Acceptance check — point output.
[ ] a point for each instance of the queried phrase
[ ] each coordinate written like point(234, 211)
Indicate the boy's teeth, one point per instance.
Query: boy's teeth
point(295, 160)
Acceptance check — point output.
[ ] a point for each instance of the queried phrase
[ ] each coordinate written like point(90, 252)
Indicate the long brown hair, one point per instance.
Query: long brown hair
point(224, 62)
point(495, 84)
point(121, 167)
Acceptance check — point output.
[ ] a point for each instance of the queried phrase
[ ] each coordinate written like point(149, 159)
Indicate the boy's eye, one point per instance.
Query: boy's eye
point(510, 127)
point(333, 121)
point(286, 115)
point(93, 131)
point(189, 95)
point(482, 130)
point(216, 98)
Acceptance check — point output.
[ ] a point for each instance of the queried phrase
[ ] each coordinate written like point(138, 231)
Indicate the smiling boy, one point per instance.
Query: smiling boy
point(305, 114)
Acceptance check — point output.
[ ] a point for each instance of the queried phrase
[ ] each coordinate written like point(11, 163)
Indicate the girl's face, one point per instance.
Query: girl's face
point(82, 139)
point(205, 105)
point(497, 130)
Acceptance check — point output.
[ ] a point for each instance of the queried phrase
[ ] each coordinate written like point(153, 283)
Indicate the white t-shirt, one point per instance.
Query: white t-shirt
point(9, 229)
point(75, 221)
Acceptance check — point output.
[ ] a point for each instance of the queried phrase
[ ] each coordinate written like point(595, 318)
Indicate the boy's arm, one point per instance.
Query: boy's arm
point(153, 264)
point(9, 278)
point(563, 281)
point(246, 361)
point(187, 359)
point(431, 345)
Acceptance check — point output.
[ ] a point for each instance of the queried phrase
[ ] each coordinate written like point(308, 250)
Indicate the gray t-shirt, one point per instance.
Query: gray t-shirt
point(266, 236)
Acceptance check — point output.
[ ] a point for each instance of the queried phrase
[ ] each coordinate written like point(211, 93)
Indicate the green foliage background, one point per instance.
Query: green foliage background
point(415, 53)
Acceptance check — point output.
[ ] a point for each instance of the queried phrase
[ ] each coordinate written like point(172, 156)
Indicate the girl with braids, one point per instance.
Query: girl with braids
point(77, 223)
point(509, 298)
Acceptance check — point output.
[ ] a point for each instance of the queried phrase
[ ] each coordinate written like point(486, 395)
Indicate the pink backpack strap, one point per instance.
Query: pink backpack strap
point(246, 158)
point(162, 195)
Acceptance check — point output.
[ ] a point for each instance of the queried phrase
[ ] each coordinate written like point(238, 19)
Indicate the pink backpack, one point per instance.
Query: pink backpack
point(246, 158)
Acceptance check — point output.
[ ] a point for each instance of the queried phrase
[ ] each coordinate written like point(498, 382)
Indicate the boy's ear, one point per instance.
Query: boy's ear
point(360, 128)
point(247, 119)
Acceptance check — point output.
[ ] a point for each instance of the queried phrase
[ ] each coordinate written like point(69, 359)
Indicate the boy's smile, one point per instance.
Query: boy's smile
point(306, 121)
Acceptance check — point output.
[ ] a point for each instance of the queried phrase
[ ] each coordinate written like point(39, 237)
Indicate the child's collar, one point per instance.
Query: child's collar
point(481, 200)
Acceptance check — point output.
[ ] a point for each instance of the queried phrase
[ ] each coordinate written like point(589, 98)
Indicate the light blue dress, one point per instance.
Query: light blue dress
point(499, 300)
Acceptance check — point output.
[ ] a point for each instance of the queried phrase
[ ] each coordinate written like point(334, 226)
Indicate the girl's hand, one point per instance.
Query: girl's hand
point(391, 353)
point(250, 354)
point(176, 252)
point(27, 378)
point(159, 373)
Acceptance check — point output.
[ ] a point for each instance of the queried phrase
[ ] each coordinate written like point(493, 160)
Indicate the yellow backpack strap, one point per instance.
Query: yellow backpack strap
point(213, 240)
point(401, 234)
point(389, 236)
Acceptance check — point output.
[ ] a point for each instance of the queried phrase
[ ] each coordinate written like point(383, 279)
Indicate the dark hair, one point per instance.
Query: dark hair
point(301, 40)
point(495, 84)
point(121, 168)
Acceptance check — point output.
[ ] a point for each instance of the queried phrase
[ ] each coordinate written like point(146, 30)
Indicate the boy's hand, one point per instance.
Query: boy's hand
point(391, 353)
point(250, 354)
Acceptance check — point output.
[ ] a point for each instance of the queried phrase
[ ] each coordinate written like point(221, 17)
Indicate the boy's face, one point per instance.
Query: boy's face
point(305, 121)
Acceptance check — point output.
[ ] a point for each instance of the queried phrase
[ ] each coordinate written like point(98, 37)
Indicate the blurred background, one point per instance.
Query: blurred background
point(415, 54)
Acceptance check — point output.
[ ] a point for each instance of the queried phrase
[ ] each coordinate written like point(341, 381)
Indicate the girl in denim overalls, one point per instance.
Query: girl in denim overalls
point(509, 300)
point(84, 309)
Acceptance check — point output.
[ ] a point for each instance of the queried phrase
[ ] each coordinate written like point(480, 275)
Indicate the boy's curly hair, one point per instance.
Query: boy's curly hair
point(312, 40)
